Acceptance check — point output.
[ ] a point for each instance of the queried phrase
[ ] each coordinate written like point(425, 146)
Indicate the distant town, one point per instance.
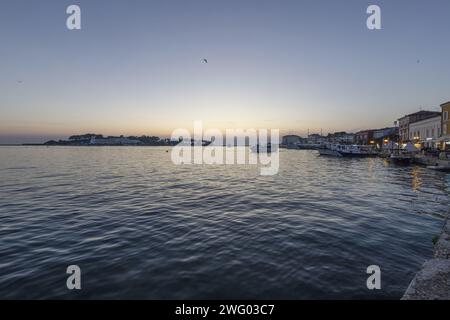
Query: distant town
point(99, 140)
point(424, 129)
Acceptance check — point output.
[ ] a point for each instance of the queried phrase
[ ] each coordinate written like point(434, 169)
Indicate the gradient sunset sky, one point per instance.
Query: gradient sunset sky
point(136, 67)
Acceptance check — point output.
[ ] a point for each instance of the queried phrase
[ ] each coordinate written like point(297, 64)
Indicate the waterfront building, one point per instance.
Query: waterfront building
point(384, 135)
point(341, 137)
point(425, 133)
point(445, 124)
point(114, 141)
point(364, 137)
point(405, 121)
point(291, 139)
point(316, 139)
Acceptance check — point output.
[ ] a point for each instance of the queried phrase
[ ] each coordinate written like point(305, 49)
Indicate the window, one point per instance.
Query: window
point(445, 115)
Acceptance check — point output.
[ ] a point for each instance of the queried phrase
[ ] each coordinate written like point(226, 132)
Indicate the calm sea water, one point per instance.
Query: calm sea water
point(140, 227)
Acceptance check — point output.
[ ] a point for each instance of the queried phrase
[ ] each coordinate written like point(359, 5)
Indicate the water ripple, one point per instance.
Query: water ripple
point(141, 227)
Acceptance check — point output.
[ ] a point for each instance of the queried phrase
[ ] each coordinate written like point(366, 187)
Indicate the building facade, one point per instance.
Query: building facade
point(445, 119)
point(290, 139)
point(316, 138)
point(364, 136)
point(445, 123)
point(341, 137)
point(404, 122)
point(426, 132)
point(385, 135)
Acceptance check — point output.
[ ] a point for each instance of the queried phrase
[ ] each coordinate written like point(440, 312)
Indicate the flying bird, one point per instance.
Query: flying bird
point(19, 81)
point(205, 60)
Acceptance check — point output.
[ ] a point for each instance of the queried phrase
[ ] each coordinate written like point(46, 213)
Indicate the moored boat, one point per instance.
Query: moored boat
point(401, 158)
point(358, 151)
point(329, 152)
point(268, 148)
point(343, 150)
point(443, 168)
point(404, 156)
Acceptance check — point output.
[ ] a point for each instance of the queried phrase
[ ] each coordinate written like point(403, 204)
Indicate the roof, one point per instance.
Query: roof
point(445, 103)
point(418, 122)
point(419, 112)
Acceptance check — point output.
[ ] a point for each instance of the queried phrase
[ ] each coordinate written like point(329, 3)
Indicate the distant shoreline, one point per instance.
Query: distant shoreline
point(73, 145)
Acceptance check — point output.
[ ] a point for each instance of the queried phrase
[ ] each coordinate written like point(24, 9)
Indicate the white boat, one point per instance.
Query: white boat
point(329, 152)
point(442, 168)
point(344, 150)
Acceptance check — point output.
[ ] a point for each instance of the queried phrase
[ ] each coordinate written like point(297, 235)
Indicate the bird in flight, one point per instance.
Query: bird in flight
point(19, 81)
point(205, 60)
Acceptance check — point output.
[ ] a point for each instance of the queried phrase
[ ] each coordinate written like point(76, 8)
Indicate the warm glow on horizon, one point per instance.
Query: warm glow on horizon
point(139, 70)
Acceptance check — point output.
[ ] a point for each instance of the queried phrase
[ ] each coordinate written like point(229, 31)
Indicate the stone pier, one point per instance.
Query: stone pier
point(432, 282)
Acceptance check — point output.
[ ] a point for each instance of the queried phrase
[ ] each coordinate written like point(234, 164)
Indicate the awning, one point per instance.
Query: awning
point(443, 139)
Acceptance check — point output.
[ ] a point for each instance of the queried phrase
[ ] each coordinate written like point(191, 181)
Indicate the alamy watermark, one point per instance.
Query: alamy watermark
point(235, 146)
point(374, 280)
point(374, 20)
point(73, 22)
point(74, 280)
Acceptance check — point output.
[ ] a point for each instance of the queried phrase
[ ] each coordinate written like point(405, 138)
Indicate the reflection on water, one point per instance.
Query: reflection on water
point(416, 181)
point(141, 227)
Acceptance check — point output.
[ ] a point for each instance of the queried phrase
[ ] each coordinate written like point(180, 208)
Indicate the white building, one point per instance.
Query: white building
point(316, 139)
point(114, 141)
point(425, 132)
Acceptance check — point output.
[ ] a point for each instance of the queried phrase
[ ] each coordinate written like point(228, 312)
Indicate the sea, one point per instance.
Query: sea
point(139, 226)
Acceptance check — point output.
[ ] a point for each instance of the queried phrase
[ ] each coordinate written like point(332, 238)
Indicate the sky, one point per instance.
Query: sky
point(136, 68)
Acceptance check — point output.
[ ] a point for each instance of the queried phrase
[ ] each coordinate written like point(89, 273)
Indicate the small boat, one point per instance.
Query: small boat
point(439, 168)
point(361, 151)
point(292, 146)
point(328, 151)
point(404, 156)
point(401, 158)
point(268, 148)
point(308, 146)
point(344, 150)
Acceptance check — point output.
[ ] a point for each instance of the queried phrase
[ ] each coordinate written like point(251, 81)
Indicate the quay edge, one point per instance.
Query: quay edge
point(432, 282)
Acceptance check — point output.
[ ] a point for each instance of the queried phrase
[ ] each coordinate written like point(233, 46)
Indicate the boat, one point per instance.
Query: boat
point(309, 146)
point(345, 150)
point(292, 146)
point(268, 148)
point(355, 150)
point(443, 168)
point(329, 150)
point(403, 158)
